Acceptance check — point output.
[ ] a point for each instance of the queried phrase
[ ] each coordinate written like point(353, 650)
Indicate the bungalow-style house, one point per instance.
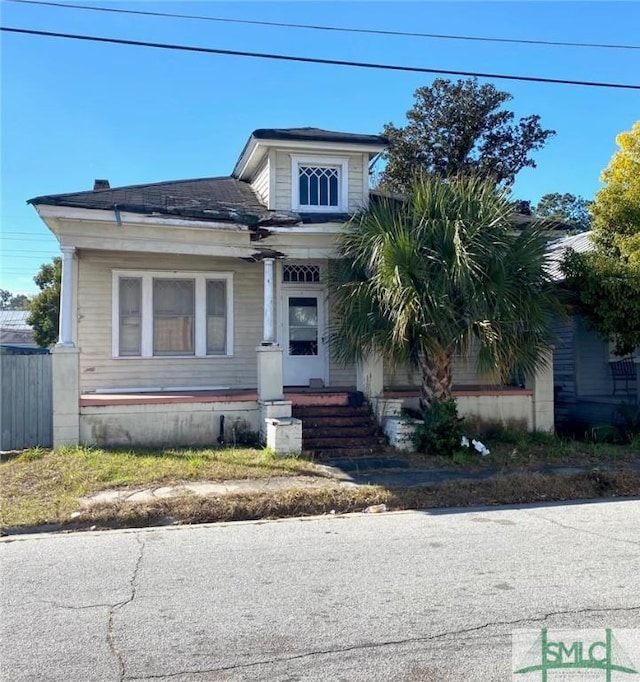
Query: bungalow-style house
point(590, 381)
point(187, 301)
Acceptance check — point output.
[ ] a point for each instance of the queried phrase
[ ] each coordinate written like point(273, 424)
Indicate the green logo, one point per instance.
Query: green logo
point(576, 653)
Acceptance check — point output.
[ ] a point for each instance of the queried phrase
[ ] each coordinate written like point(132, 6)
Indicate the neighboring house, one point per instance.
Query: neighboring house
point(16, 336)
point(590, 382)
point(189, 300)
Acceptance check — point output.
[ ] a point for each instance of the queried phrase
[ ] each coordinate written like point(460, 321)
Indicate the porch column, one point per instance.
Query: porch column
point(67, 295)
point(542, 386)
point(268, 334)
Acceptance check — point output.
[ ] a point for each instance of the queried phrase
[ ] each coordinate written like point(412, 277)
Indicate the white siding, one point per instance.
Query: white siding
point(99, 370)
point(283, 181)
point(260, 182)
point(341, 376)
point(357, 168)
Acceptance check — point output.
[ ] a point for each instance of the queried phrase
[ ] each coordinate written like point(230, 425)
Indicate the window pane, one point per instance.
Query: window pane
point(333, 190)
point(319, 185)
point(313, 190)
point(216, 317)
point(324, 190)
point(130, 303)
point(303, 326)
point(173, 316)
point(304, 190)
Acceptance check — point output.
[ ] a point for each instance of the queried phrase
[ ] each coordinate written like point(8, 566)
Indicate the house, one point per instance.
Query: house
point(187, 301)
point(16, 335)
point(590, 381)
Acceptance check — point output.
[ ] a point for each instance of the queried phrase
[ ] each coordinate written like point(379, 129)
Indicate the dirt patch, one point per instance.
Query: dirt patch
point(517, 488)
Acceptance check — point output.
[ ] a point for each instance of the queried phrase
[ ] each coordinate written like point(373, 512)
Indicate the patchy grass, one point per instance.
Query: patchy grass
point(504, 489)
point(42, 486)
point(512, 450)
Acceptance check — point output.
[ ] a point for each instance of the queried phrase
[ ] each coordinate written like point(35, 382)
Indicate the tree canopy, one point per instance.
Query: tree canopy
point(11, 301)
point(45, 306)
point(420, 280)
point(459, 128)
point(567, 208)
point(604, 286)
point(616, 209)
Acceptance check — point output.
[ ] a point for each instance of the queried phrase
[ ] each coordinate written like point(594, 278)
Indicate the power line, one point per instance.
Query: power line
point(316, 60)
point(317, 27)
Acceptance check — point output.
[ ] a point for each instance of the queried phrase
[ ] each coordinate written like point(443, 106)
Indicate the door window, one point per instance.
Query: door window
point(303, 325)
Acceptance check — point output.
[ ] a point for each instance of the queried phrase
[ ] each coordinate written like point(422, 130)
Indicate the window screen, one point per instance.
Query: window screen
point(130, 315)
point(216, 317)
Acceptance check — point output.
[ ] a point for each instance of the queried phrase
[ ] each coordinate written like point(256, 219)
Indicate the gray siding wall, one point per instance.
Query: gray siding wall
point(27, 410)
point(593, 375)
point(564, 361)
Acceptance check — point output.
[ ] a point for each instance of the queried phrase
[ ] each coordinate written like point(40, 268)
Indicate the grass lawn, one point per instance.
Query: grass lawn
point(42, 486)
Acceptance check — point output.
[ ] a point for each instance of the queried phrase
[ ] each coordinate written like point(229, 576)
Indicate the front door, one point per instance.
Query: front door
point(303, 336)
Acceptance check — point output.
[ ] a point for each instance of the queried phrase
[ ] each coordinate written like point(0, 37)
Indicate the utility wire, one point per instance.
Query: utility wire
point(315, 27)
point(316, 60)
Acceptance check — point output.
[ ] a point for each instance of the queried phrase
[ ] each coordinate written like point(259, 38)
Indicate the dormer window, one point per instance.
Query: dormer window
point(319, 184)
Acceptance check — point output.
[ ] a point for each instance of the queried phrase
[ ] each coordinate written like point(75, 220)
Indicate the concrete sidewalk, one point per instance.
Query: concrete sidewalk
point(349, 473)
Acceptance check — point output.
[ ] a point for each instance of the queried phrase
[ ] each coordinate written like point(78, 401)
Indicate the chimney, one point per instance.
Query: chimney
point(100, 184)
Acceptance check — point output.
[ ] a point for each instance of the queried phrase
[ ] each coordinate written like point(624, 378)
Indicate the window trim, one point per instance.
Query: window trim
point(146, 331)
point(342, 164)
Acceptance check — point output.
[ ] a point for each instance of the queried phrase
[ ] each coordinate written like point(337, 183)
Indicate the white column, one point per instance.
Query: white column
point(67, 296)
point(268, 337)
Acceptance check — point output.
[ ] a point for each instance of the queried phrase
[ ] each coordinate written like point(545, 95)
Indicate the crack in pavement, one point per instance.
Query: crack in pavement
point(582, 530)
point(74, 608)
point(378, 645)
point(114, 608)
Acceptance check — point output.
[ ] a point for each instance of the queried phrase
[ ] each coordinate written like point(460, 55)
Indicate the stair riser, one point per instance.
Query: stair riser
point(331, 411)
point(338, 432)
point(321, 443)
point(330, 422)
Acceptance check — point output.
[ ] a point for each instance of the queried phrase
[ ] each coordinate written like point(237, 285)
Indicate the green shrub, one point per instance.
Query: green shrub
point(628, 418)
point(441, 431)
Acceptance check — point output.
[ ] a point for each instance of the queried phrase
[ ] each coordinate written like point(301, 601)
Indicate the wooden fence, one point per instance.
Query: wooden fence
point(27, 408)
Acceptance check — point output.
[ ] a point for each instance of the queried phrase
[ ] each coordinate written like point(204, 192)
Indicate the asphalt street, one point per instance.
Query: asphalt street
point(411, 596)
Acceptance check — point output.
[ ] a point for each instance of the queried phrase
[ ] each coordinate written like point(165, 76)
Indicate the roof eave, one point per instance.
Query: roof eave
point(255, 149)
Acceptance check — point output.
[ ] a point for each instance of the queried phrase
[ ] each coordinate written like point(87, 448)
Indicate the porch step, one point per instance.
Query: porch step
point(350, 431)
point(306, 411)
point(340, 441)
point(339, 430)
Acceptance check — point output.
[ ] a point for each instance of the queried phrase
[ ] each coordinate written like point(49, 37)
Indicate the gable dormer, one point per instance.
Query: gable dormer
point(308, 170)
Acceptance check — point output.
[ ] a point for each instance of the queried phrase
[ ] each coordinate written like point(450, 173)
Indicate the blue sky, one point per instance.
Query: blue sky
point(74, 111)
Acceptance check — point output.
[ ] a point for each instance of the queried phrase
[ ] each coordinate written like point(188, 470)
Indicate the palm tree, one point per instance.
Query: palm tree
point(422, 278)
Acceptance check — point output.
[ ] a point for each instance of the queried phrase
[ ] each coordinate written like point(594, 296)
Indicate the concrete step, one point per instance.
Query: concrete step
point(337, 421)
point(333, 442)
point(335, 431)
point(338, 453)
point(306, 411)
